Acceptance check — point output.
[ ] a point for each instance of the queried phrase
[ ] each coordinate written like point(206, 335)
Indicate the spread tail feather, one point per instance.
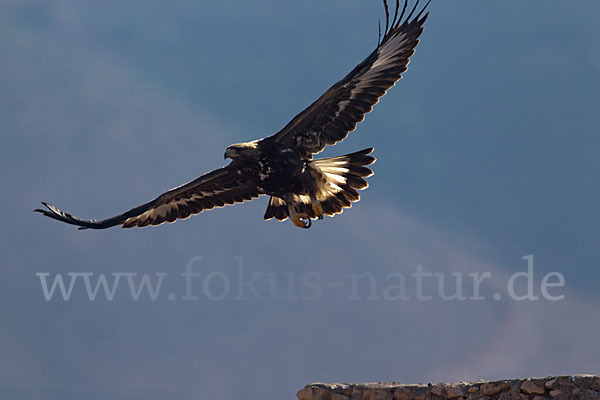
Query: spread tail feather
point(339, 179)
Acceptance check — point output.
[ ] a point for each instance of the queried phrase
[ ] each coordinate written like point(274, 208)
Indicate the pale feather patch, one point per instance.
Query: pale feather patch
point(335, 178)
point(336, 170)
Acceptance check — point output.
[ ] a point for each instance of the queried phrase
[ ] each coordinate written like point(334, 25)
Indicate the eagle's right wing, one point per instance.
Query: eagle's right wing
point(329, 119)
point(218, 188)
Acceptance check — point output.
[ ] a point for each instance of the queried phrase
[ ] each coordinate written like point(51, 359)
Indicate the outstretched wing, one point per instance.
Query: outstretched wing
point(216, 189)
point(329, 119)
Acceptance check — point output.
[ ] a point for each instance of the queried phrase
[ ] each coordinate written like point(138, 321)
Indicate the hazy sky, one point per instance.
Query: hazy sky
point(487, 152)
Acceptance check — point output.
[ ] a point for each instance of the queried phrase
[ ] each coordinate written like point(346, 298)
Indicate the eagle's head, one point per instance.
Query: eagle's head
point(243, 150)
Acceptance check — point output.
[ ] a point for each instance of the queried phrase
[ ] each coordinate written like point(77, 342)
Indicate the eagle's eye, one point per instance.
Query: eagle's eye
point(231, 152)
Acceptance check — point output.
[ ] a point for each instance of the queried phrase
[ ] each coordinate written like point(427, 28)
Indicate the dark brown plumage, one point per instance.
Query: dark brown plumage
point(282, 165)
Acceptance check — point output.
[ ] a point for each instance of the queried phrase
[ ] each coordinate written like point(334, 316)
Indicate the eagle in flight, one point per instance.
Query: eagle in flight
point(282, 165)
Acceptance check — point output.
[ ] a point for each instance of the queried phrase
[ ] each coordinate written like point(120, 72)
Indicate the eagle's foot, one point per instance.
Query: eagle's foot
point(318, 209)
point(302, 221)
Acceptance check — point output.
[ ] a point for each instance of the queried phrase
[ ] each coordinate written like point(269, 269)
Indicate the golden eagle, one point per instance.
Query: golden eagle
point(282, 165)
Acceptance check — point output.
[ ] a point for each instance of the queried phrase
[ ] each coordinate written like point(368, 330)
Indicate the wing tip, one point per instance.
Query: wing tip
point(59, 215)
point(40, 210)
point(50, 212)
point(411, 19)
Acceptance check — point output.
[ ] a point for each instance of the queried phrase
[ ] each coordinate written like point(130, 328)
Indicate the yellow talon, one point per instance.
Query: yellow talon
point(302, 221)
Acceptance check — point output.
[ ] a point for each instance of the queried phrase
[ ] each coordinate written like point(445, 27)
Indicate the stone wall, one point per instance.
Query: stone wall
point(581, 387)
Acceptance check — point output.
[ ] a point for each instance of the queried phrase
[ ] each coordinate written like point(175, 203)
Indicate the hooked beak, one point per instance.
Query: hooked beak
point(226, 155)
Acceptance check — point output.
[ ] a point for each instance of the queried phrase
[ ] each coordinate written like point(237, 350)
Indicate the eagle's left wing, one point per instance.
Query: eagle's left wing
point(329, 119)
point(218, 188)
